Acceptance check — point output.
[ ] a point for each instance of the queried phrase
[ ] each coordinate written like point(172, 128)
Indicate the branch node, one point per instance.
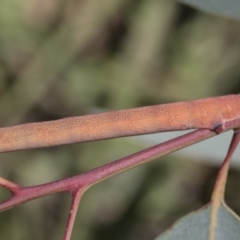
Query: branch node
point(11, 186)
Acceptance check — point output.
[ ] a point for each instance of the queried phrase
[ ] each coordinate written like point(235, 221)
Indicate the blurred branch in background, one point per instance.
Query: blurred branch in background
point(57, 50)
point(65, 58)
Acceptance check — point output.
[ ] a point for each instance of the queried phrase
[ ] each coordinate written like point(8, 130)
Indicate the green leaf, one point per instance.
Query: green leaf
point(227, 8)
point(196, 226)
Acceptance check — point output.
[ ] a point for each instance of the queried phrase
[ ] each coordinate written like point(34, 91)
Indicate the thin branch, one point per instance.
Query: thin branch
point(219, 188)
point(11, 186)
point(76, 197)
point(72, 184)
point(77, 185)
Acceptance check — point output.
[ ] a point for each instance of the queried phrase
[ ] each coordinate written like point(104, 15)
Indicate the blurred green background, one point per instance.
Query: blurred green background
point(67, 58)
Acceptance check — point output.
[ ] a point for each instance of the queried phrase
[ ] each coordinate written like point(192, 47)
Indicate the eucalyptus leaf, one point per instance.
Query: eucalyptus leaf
point(227, 8)
point(196, 226)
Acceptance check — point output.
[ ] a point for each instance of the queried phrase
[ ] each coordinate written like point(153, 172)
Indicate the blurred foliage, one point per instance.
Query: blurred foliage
point(66, 58)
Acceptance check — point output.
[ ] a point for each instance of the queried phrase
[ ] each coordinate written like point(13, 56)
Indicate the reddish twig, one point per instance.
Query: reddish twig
point(78, 184)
